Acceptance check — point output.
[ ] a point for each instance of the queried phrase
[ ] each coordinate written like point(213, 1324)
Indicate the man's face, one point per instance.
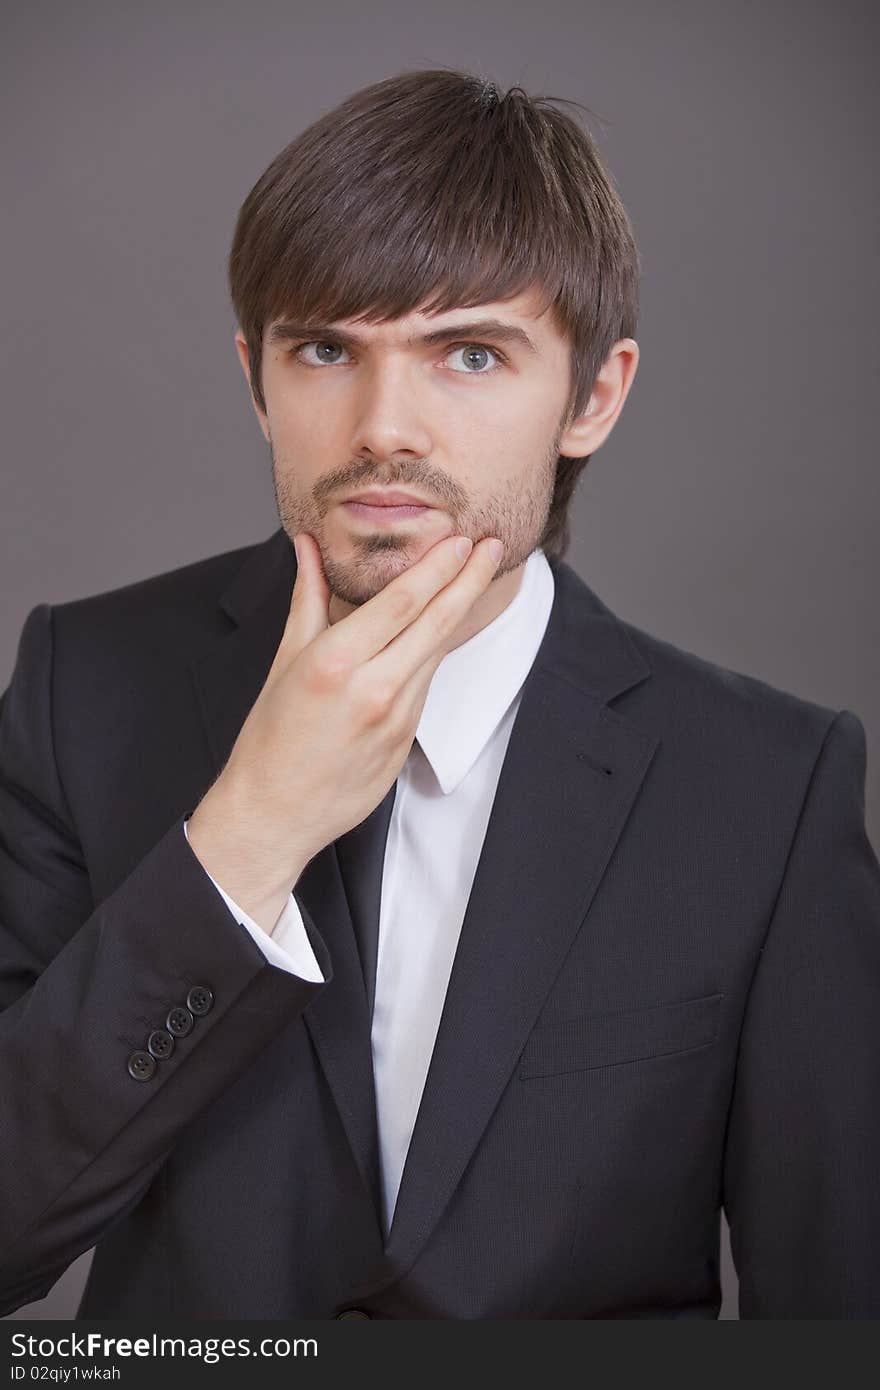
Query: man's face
point(472, 422)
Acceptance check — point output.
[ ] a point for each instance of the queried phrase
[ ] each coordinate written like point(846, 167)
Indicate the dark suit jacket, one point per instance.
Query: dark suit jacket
point(665, 995)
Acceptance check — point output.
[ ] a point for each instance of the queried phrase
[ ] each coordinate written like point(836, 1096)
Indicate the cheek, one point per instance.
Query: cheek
point(502, 455)
point(289, 418)
point(519, 421)
point(310, 437)
point(290, 410)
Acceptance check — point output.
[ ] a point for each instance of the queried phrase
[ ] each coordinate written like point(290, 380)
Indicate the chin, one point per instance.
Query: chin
point(358, 579)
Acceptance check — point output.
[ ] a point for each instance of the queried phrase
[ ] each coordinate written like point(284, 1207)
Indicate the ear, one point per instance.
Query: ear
point(242, 349)
point(592, 427)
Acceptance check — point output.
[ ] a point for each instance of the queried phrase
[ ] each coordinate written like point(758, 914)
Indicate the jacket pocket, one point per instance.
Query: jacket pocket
point(605, 1040)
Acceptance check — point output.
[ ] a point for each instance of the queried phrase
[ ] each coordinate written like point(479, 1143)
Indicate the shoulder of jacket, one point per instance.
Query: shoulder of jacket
point(195, 581)
point(717, 702)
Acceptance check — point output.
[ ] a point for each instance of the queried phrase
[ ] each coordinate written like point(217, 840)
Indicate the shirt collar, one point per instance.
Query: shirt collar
point(475, 684)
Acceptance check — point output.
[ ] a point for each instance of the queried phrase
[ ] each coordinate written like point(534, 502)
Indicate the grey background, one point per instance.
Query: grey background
point(734, 509)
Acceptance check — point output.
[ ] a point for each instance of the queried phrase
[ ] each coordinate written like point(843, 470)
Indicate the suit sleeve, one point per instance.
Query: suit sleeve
point(88, 1114)
point(288, 946)
point(801, 1182)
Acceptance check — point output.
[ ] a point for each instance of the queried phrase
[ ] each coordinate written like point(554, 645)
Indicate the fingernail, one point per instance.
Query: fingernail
point(463, 547)
point(496, 550)
point(296, 548)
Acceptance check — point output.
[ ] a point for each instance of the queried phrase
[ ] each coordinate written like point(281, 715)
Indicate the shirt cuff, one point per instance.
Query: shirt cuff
point(288, 947)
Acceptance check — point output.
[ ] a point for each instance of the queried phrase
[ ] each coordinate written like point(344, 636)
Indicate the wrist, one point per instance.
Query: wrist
point(239, 849)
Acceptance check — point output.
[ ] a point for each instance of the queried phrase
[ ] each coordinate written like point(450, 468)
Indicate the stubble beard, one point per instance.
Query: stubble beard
point(517, 514)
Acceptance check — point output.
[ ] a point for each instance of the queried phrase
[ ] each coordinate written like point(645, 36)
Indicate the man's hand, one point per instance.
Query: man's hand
point(334, 722)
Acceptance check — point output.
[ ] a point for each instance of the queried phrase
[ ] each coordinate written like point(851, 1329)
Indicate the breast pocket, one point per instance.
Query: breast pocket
point(606, 1040)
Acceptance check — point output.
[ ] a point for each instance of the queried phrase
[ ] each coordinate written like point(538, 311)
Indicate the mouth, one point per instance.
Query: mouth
point(386, 507)
point(385, 513)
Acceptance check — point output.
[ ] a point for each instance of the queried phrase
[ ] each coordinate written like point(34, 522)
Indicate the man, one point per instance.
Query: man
point(396, 932)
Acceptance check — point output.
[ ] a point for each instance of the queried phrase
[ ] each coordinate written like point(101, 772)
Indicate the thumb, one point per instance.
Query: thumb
point(310, 601)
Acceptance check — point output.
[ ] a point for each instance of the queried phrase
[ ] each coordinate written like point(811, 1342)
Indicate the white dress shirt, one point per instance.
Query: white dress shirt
point(442, 805)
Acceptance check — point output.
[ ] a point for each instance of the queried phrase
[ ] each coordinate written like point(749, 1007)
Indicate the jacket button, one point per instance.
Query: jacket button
point(141, 1066)
point(160, 1044)
point(200, 1000)
point(353, 1313)
point(179, 1022)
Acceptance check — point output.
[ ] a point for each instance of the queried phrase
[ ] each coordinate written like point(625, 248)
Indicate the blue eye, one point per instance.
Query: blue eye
point(478, 351)
point(322, 360)
point(476, 355)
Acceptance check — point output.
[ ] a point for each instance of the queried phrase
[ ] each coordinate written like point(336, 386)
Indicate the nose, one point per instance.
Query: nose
point(390, 418)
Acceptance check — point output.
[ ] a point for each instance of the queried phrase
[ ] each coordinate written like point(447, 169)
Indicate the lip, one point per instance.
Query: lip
point(388, 497)
point(384, 515)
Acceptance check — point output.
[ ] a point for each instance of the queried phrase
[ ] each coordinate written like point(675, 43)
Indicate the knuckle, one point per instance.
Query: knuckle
point(377, 701)
point(328, 669)
point(397, 726)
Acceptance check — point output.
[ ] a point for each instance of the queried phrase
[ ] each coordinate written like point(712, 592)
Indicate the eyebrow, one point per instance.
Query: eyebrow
point(497, 329)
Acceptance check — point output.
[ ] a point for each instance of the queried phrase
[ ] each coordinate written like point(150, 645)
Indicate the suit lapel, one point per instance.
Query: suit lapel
point(571, 774)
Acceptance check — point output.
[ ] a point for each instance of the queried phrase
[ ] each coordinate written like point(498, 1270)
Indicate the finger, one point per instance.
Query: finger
point(377, 622)
point(310, 600)
point(424, 640)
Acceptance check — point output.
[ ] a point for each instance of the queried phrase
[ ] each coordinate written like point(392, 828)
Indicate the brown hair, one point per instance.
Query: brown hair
point(431, 190)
